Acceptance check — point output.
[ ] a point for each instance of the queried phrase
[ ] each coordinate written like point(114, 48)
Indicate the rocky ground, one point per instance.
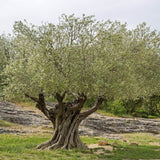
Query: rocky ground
point(16, 114)
point(94, 125)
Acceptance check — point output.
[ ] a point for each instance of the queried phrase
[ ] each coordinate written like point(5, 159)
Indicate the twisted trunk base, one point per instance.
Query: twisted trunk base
point(65, 136)
point(66, 118)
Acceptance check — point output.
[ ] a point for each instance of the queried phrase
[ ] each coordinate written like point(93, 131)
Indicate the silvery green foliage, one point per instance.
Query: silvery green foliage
point(5, 55)
point(83, 55)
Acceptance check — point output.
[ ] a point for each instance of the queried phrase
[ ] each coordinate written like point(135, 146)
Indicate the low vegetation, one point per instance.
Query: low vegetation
point(22, 147)
point(6, 124)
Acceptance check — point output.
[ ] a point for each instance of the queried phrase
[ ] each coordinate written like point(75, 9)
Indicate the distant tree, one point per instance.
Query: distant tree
point(152, 105)
point(82, 58)
point(132, 104)
point(144, 46)
point(5, 55)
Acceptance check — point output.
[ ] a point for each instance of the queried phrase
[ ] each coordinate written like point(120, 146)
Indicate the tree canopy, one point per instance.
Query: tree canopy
point(83, 55)
point(5, 55)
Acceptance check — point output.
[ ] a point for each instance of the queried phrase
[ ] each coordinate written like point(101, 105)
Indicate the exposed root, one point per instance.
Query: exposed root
point(44, 145)
point(72, 142)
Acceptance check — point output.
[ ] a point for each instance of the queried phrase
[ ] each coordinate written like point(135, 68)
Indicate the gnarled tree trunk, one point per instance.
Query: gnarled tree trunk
point(66, 118)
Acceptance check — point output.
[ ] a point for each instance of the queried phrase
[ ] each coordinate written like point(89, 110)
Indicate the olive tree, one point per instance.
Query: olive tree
point(5, 55)
point(81, 58)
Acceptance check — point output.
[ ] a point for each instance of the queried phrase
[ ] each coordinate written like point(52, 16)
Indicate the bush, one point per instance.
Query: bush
point(140, 112)
point(116, 107)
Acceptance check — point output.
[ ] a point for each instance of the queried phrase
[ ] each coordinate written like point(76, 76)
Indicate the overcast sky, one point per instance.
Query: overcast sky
point(36, 11)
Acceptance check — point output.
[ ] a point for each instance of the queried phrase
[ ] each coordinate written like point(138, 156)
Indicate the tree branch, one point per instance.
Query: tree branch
point(32, 98)
point(78, 103)
point(40, 104)
point(75, 107)
point(60, 106)
point(60, 98)
point(97, 104)
point(74, 95)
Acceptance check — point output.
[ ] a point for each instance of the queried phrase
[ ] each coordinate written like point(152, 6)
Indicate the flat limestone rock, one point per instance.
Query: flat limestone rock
point(16, 114)
point(6, 131)
point(93, 146)
point(113, 125)
point(94, 125)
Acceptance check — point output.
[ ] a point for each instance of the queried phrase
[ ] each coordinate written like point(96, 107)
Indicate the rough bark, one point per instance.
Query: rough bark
point(66, 118)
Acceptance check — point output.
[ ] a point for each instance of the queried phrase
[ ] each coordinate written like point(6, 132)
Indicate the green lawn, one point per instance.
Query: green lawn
point(21, 147)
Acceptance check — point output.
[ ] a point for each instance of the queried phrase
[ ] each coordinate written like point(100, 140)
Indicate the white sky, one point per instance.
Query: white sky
point(36, 11)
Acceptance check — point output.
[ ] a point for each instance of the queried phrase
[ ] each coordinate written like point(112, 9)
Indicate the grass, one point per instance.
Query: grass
point(142, 138)
point(104, 113)
point(15, 147)
point(6, 124)
point(21, 147)
point(26, 104)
